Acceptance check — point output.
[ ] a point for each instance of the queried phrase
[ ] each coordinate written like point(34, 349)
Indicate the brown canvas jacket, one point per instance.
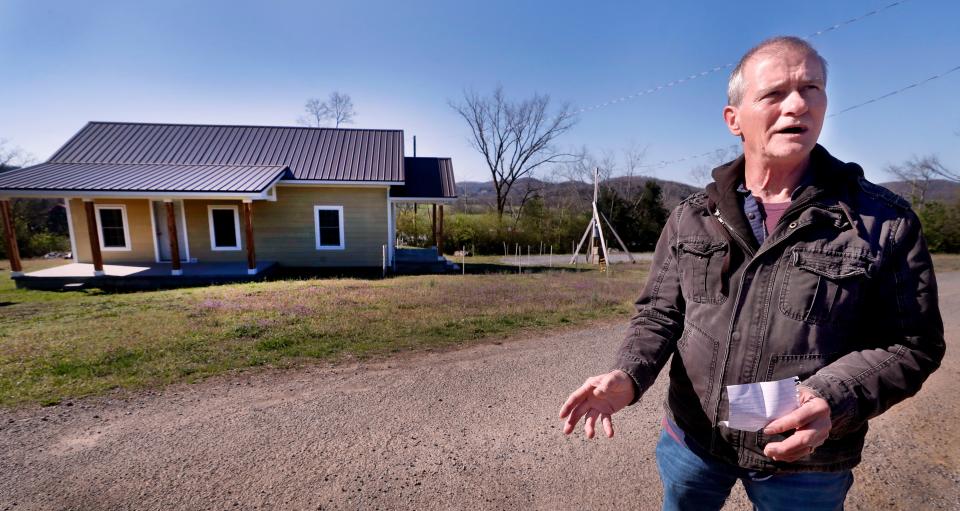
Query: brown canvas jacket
point(842, 294)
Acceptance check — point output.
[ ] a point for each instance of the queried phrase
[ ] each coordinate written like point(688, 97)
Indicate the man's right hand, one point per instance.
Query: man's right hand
point(598, 398)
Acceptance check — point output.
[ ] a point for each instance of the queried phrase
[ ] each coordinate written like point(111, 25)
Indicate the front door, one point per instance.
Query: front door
point(163, 234)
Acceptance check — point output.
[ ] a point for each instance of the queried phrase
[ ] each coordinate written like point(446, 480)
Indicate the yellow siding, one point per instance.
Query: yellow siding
point(198, 231)
point(284, 230)
point(138, 222)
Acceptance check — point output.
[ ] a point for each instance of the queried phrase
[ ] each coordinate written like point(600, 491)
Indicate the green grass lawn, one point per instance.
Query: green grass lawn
point(62, 345)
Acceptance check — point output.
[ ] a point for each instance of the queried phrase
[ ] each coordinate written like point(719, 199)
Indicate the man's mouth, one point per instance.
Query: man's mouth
point(793, 130)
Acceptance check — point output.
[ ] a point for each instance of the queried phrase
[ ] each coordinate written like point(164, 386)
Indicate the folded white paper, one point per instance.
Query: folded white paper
point(754, 405)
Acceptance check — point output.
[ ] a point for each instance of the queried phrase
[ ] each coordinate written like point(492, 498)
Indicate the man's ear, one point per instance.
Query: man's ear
point(731, 115)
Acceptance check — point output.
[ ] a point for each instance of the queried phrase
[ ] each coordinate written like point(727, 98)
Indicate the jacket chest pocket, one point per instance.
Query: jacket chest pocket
point(822, 287)
point(701, 267)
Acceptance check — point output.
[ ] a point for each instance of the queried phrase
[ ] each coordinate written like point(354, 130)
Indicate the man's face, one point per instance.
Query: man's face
point(783, 106)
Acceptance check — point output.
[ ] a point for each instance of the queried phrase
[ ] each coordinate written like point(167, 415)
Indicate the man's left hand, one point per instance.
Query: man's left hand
point(812, 424)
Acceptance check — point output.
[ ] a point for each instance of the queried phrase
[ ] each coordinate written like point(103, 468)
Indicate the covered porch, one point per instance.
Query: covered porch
point(126, 230)
point(429, 184)
point(132, 276)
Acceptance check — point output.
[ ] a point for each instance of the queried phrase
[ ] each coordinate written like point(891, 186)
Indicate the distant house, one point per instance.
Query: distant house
point(155, 194)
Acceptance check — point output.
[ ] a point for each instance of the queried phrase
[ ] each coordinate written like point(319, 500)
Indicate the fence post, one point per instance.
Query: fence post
point(519, 260)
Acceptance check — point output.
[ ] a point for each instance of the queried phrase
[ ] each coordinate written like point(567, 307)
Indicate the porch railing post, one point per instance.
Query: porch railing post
point(248, 228)
point(13, 251)
point(440, 231)
point(175, 268)
point(94, 237)
point(433, 235)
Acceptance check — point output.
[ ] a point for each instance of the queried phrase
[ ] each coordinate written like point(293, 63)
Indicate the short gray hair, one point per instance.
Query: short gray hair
point(736, 85)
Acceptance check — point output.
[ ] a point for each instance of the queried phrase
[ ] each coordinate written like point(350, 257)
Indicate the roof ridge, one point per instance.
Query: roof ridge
point(164, 163)
point(207, 125)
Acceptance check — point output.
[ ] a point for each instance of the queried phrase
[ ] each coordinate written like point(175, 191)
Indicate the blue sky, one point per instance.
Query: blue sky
point(242, 62)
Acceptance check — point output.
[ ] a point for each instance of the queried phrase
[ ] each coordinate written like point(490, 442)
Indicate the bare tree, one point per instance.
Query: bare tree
point(316, 113)
point(918, 172)
point(12, 157)
point(341, 108)
point(515, 138)
point(338, 109)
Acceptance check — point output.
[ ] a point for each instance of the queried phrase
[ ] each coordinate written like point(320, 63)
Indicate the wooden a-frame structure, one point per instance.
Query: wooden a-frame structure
point(597, 249)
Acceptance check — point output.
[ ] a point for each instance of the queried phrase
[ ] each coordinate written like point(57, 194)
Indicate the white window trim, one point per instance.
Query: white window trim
point(236, 227)
point(316, 227)
point(126, 227)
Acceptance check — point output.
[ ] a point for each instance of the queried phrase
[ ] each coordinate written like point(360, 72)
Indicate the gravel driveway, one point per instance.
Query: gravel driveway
point(472, 428)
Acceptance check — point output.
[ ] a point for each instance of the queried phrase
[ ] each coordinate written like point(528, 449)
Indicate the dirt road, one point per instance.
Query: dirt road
point(474, 428)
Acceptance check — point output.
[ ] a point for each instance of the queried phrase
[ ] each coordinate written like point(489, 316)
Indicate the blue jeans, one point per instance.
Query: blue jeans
point(695, 480)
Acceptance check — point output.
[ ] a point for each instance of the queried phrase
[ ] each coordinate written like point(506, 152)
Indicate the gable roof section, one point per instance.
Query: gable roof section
point(112, 156)
point(324, 154)
point(137, 177)
point(427, 178)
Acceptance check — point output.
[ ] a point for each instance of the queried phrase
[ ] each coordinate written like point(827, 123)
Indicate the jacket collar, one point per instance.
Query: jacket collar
point(827, 177)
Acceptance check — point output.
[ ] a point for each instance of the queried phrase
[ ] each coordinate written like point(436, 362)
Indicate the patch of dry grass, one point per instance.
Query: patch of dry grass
point(62, 345)
point(946, 262)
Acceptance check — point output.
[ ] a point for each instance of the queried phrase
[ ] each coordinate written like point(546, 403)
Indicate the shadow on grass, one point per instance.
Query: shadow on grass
point(489, 268)
point(121, 286)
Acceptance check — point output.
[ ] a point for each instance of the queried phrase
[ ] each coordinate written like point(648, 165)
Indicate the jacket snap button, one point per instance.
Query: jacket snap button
point(736, 336)
point(793, 225)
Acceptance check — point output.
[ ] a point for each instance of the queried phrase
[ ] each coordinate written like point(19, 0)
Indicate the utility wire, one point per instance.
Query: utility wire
point(893, 93)
point(694, 76)
point(665, 163)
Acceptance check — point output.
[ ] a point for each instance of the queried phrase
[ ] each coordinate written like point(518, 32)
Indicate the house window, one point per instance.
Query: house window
point(224, 227)
point(329, 227)
point(113, 227)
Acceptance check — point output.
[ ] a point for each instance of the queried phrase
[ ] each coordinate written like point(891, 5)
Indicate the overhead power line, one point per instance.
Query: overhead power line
point(715, 69)
point(665, 163)
point(893, 93)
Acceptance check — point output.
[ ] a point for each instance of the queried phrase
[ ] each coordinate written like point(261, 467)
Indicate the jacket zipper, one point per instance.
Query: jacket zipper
point(726, 355)
point(743, 243)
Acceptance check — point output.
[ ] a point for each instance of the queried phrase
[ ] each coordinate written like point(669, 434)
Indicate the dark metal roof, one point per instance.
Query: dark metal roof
point(427, 178)
point(327, 154)
point(131, 177)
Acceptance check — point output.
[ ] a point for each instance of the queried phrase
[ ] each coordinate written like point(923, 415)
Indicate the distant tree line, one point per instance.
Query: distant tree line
point(940, 218)
point(40, 224)
point(554, 221)
point(41, 227)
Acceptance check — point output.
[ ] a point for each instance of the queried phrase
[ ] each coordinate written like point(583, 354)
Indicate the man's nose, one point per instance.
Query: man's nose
point(794, 104)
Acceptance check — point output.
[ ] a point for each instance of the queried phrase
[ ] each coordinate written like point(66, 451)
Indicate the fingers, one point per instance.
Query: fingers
point(589, 401)
point(576, 398)
point(802, 443)
point(798, 445)
point(590, 423)
point(607, 424)
point(810, 411)
point(574, 417)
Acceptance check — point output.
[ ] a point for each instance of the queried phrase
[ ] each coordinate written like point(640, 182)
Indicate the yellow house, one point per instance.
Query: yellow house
point(176, 199)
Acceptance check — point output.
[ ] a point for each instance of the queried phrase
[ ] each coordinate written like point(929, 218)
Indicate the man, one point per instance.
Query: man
point(790, 264)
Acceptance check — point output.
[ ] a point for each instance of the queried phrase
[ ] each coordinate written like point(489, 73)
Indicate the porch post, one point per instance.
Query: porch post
point(440, 232)
point(13, 251)
point(248, 227)
point(433, 236)
point(94, 237)
point(174, 241)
